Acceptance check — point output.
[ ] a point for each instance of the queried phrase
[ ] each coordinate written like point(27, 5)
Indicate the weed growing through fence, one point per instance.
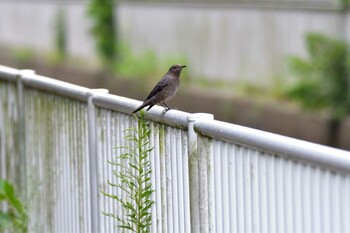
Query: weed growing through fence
point(133, 172)
point(15, 218)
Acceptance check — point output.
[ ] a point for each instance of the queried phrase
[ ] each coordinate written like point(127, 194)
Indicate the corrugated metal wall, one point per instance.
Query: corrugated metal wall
point(208, 176)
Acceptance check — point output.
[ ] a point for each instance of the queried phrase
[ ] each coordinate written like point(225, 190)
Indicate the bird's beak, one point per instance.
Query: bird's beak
point(183, 66)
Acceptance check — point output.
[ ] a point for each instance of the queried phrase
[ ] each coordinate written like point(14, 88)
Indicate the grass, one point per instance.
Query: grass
point(143, 65)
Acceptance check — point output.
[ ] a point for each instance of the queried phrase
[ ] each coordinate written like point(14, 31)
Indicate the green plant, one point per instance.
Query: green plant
point(145, 64)
point(131, 65)
point(24, 55)
point(103, 29)
point(15, 217)
point(134, 177)
point(60, 35)
point(344, 5)
point(322, 79)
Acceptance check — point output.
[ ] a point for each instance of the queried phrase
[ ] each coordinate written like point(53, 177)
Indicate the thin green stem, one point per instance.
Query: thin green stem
point(134, 181)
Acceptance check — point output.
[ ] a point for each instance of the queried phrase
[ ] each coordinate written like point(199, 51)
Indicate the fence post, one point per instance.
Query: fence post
point(22, 130)
point(93, 168)
point(198, 201)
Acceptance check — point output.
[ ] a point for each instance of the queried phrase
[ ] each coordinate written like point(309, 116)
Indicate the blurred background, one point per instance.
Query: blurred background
point(275, 65)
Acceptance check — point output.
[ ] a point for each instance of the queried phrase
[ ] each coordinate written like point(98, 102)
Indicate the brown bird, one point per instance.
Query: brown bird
point(164, 90)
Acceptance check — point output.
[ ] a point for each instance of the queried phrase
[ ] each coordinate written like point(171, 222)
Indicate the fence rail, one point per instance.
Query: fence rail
point(209, 176)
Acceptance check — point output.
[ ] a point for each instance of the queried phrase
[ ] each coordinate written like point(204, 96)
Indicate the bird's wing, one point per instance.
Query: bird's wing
point(158, 88)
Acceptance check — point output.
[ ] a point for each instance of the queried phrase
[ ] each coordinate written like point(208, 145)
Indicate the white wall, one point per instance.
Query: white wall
point(227, 43)
point(221, 42)
point(32, 24)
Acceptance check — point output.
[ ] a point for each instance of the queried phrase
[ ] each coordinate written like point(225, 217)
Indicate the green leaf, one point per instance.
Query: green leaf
point(5, 221)
point(127, 227)
point(146, 193)
point(16, 216)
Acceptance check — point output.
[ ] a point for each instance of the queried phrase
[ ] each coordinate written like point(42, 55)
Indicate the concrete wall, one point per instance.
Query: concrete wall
point(228, 42)
point(32, 24)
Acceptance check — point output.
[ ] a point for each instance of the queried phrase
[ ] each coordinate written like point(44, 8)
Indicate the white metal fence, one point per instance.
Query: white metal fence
point(209, 176)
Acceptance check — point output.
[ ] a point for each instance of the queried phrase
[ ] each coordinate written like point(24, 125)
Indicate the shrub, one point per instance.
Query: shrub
point(15, 217)
point(322, 78)
point(103, 29)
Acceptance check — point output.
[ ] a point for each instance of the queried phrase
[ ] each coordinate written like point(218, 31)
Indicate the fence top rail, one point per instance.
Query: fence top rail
point(55, 86)
point(122, 104)
point(8, 73)
point(30, 79)
point(276, 144)
point(100, 98)
point(269, 142)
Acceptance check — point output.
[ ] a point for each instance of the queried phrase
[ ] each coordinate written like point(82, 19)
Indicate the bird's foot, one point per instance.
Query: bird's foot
point(165, 110)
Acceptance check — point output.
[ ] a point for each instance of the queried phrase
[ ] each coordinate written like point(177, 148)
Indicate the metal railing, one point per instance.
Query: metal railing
point(208, 176)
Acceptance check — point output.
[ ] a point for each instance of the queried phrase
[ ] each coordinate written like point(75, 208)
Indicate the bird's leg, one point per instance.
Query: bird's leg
point(165, 110)
point(165, 106)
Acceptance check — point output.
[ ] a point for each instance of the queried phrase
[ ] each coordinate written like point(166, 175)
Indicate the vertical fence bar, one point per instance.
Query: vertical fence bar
point(93, 167)
point(205, 183)
point(22, 131)
point(193, 176)
point(194, 172)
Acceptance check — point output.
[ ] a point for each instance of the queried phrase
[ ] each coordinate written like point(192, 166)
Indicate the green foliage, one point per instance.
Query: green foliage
point(134, 175)
point(103, 29)
point(132, 65)
point(323, 77)
point(60, 35)
point(15, 218)
point(24, 55)
point(146, 64)
point(345, 4)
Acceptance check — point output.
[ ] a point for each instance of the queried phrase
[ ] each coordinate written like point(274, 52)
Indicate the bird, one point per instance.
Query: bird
point(165, 89)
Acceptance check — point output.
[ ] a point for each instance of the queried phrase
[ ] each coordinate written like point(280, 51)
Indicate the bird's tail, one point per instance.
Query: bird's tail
point(140, 107)
point(137, 109)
